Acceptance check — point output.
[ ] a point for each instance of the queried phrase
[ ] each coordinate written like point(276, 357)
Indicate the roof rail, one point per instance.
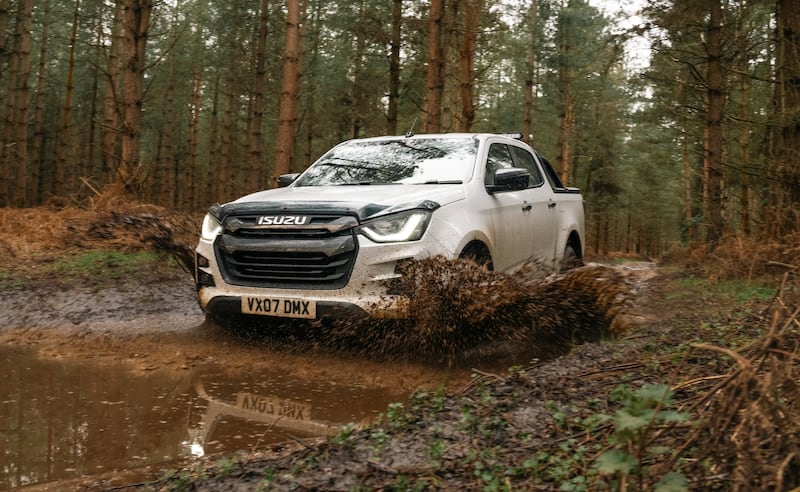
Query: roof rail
point(516, 136)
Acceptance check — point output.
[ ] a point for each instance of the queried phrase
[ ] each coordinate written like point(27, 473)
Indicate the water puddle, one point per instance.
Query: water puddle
point(65, 419)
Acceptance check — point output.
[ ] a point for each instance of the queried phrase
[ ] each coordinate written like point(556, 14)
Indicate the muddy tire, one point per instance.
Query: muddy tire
point(478, 253)
point(570, 259)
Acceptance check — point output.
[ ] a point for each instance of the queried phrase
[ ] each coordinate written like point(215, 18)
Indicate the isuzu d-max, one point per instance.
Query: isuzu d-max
point(331, 239)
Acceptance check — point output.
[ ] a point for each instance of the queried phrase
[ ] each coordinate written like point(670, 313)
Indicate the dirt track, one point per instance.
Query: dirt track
point(152, 325)
point(158, 325)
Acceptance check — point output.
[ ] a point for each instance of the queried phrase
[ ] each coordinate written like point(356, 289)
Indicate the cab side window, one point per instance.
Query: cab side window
point(499, 158)
point(524, 159)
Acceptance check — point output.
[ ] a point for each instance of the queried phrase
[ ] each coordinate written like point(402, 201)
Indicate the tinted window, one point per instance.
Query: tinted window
point(498, 158)
point(524, 159)
point(407, 161)
point(552, 176)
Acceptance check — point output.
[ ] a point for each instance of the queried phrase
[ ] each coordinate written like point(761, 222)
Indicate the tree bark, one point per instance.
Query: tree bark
point(357, 64)
point(712, 183)
point(394, 68)
point(566, 119)
point(63, 163)
point(530, 70)
point(188, 178)
point(4, 8)
point(136, 22)
point(166, 161)
point(225, 186)
point(434, 83)
point(785, 138)
point(566, 103)
point(111, 103)
point(472, 20)
point(16, 135)
point(287, 117)
point(257, 120)
point(37, 144)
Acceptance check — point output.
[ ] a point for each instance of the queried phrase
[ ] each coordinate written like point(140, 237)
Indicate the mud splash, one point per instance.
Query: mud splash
point(462, 312)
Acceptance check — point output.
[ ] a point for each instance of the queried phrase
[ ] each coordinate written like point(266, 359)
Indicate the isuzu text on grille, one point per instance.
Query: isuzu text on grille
point(282, 220)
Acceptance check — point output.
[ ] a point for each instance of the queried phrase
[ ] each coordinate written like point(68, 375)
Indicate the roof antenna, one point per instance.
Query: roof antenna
point(410, 132)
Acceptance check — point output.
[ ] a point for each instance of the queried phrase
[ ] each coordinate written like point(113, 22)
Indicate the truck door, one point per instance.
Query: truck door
point(509, 212)
point(543, 215)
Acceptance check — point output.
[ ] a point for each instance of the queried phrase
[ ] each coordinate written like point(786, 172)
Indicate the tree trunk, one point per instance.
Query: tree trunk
point(712, 185)
point(64, 137)
point(566, 118)
point(472, 20)
point(566, 103)
point(211, 178)
point(287, 117)
point(451, 37)
point(357, 64)
point(434, 83)
point(166, 162)
point(188, 178)
point(257, 121)
point(37, 144)
point(137, 22)
point(18, 106)
point(530, 70)
point(394, 68)
point(111, 109)
point(785, 138)
point(4, 8)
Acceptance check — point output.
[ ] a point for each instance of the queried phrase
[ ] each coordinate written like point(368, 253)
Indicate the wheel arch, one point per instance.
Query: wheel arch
point(478, 251)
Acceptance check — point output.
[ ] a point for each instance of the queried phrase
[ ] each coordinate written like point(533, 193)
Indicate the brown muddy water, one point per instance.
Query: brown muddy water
point(62, 419)
point(98, 381)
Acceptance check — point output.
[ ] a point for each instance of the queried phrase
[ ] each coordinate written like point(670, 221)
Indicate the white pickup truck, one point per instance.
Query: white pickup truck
point(331, 239)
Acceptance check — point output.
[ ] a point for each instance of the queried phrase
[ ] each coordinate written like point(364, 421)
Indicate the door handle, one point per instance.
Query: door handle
point(551, 204)
point(527, 207)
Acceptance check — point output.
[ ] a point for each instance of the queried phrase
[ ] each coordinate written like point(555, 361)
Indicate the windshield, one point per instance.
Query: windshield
point(405, 161)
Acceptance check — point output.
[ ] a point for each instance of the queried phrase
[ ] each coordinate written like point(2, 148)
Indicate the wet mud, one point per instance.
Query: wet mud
point(123, 376)
point(63, 419)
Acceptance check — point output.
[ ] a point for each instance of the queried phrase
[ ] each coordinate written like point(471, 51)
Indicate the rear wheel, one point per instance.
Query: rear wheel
point(570, 259)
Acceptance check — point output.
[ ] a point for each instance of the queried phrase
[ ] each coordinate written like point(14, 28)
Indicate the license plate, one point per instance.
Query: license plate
point(279, 306)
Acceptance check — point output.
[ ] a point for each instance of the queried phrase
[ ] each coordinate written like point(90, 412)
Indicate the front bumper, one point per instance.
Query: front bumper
point(366, 293)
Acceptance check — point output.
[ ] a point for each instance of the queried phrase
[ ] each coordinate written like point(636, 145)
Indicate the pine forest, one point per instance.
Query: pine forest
point(679, 119)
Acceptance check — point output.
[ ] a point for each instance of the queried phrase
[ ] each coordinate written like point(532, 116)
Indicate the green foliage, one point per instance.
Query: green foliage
point(738, 290)
point(589, 464)
point(345, 434)
point(105, 265)
point(642, 411)
point(177, 481)
point(7, 282)
point(225, 466)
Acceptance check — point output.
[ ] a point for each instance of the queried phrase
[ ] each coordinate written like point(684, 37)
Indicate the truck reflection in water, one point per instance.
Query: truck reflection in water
point(278, 413)
point(63, 419)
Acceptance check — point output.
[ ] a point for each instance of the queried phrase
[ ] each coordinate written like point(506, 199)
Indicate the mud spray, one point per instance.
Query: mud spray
point(461, 310)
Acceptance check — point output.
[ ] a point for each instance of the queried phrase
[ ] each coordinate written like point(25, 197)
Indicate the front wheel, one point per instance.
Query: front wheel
point(478, 253)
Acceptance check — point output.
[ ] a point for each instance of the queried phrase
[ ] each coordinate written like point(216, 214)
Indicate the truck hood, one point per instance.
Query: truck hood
point(364, 201)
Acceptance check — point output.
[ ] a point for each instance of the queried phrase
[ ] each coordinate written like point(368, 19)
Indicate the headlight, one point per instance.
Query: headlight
point(405, 226)
point(211, 228)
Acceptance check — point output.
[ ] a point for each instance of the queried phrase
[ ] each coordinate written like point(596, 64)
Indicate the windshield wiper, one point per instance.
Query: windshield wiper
point(441, 182)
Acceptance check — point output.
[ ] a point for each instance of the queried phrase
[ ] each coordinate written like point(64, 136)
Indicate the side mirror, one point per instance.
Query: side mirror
point(285, 180)
point(509, 179)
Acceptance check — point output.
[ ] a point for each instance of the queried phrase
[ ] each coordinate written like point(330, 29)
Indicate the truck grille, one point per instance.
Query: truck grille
point(317, 254)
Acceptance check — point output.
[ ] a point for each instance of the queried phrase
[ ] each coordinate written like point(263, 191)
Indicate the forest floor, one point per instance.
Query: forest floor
point(696, 389)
